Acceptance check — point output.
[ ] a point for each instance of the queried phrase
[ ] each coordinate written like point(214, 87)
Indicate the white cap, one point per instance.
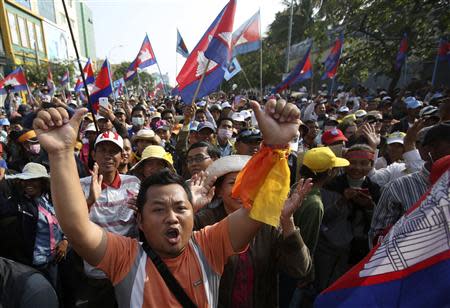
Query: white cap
point(111, 137)
point(395, 137)
point(238, 117)
point(343, 109)
point(246, 114)
point(226, 105)
point(90, 128)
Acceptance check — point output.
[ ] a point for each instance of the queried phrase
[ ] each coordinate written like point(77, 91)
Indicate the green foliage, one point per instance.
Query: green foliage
point(37, 74)
point(372, 33)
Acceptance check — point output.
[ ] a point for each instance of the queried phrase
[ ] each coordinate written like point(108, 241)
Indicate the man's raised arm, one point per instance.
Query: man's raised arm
point(57, 135)
point(278, 122)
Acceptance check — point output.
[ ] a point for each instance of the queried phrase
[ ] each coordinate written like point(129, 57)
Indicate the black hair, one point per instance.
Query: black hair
point(165, 111)
point(223, 119)
point(212, 150)
point(15, 120)
point(305, 173)
point(162, 177)
point(139, 107)
point(437, 134)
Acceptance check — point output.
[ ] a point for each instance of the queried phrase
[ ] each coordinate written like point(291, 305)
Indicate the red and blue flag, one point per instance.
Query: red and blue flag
point(410, 267)
point(145, 58)
point(88, 75)
point(214, 45)
point(247, 37)
point(15, 81)
point(402, 52)
point(301, 72)
point(102, 86)
point(181, 46)
point(65, 79)
point(444, 50)
point(333, 60)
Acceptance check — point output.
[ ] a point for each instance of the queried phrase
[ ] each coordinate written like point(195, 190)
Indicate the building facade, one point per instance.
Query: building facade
point(35, 31)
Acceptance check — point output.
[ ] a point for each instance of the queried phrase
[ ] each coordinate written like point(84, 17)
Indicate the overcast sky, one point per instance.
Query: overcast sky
point(120, 25)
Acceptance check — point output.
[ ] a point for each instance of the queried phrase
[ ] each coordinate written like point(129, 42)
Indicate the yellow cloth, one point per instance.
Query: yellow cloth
point(263, 185)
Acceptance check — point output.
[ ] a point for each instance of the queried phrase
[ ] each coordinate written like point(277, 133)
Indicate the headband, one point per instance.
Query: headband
point(361, 154)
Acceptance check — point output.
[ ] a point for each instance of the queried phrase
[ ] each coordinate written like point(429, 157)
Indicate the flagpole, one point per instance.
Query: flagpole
point(433, 78)
point(79, 63)
point(110, 81)
point(162, 80)
point(200, 83)
point(260, 62)
point(405, 70)
point(246, 78)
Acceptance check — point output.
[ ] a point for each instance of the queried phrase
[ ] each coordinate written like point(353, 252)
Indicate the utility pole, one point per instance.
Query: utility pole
point(289, 37)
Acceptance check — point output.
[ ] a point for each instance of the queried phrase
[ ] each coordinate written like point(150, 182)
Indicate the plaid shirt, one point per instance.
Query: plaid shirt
point(397, 197)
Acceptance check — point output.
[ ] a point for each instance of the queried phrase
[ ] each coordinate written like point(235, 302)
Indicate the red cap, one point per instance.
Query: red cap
point(333, 135)
point(438, 168)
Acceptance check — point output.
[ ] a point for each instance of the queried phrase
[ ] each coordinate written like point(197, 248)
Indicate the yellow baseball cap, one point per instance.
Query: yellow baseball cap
point(322, 159)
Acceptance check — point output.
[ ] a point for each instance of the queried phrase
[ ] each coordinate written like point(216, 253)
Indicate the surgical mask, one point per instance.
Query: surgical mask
point(84, 140)
point(136, 121)
point(225, 133)
point(35, 148)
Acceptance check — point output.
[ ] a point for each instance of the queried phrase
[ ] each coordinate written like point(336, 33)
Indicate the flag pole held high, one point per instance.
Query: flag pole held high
point(205, 67)
point(80, 67)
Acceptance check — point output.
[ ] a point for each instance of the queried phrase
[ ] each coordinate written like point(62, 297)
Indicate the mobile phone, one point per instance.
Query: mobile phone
point(103, 101)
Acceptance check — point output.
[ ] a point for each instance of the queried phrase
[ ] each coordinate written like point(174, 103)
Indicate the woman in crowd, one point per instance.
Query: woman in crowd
point(154, 158)
point(251, 278)
point(44, 245)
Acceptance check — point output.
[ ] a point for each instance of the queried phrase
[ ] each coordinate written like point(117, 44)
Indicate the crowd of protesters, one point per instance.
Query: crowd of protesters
point(368, 155)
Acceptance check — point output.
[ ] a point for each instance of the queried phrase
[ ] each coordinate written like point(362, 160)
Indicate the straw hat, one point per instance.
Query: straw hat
point(155, 152)
point(30, 171)
point(227, 164)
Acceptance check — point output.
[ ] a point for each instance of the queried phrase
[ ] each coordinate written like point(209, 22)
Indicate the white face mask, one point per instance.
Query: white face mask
point(223, 133)
point(293, 145)
point(136, 121)
point(35, 148)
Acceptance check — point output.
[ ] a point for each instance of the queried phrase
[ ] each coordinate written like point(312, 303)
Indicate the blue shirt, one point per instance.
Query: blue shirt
point(42, 252)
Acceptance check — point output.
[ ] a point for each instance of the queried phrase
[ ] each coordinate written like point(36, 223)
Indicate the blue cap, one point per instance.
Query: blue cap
point(204, 125)
point(193, 126)
point(412, 103)
point(4, 122)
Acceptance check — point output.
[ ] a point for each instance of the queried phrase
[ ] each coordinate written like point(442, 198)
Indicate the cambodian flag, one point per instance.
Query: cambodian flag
point(333, 59)
point(401, 55)
point(88, 75)
point(444, 50)
point(181, 46)
point(302, 71)
point(119, 87)
point(145, 58)
point(215, 45)
point(50, 83)
point(65, 78)
point(410, 267)
point(102, 86)
point(247, 37)
point(16, 81)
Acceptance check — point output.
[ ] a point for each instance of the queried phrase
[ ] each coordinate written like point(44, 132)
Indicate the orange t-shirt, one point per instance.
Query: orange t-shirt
point(214, 242)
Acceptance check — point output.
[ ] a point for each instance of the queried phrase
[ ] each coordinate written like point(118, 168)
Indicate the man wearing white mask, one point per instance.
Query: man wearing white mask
point(224, 135)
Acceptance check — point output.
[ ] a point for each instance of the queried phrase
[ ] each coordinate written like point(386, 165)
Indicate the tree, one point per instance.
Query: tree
point(37, 74)
point(372, 33)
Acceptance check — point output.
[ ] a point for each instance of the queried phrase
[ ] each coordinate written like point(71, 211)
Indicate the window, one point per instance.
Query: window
point(23, 32)
point(47, 9)
point(32, 34)
point(25, 3)
point(39, 41)
point(13, 28)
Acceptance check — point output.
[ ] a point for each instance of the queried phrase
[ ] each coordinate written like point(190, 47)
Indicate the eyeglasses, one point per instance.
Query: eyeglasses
point(196, 159)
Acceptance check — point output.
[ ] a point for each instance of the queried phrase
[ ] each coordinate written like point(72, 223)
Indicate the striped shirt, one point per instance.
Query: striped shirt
point(110, 211)
point(397, 197)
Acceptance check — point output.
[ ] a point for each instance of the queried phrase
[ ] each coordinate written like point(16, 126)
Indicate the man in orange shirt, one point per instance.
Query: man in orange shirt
point(165, 216)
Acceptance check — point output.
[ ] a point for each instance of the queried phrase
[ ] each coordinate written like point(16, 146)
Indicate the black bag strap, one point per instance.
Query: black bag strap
point(170, 281)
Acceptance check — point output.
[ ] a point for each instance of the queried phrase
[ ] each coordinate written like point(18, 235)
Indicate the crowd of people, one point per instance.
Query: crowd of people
point(86, 198)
